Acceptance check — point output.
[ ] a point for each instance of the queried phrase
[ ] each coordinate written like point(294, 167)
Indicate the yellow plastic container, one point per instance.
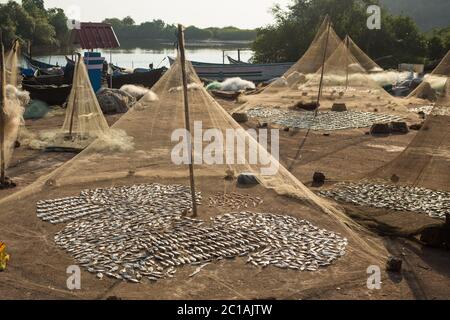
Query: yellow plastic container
point(4, 257)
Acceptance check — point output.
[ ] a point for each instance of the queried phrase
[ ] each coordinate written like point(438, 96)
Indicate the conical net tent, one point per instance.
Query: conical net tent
point(434, 83)
point(426, 161)
point(364, 60)
point(324, 44)
point(84, 120)
point(312, 59)
point(128, 222)
point(345, 80)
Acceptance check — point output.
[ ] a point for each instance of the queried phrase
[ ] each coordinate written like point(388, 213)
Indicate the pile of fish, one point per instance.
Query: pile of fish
point(135, 237)
point(154, 197)
point(325, 121)
point(396, 197)
point(234, 200)
point(425, 109)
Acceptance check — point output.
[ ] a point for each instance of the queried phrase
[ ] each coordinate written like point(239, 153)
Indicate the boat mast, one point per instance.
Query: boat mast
point(187, 117)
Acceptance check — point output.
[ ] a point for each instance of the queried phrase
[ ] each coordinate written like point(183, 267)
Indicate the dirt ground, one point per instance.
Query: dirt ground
point(345, 155)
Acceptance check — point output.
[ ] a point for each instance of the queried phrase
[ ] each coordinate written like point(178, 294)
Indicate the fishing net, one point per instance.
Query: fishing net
point(84, 121)
point(343, 82)
point(426, 161)
point(311, 61)
point(12, 65)
point(12, 105)
point(433, 84)
point(363, 59)
point(146, 191)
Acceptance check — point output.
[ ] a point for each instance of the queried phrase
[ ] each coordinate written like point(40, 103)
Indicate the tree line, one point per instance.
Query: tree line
point(398, 41)
point(126, 28)
point(31, 21)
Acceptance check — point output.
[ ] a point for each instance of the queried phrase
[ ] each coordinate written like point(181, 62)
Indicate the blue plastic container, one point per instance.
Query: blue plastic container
point(94, 62)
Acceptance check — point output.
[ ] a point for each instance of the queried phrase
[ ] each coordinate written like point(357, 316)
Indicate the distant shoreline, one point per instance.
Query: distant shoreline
point(151, 44)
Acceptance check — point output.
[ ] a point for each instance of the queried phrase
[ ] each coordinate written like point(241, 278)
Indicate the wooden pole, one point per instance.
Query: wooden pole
point(323, 66)
point(74, 94)
point(110, 67)
point(2, 113)
point(347, 43)
point(187, 117)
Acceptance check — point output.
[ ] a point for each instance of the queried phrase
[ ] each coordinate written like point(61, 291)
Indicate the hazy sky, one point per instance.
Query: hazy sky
point(202, 13)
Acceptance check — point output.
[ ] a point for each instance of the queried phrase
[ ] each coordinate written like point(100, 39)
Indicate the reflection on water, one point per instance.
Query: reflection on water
point(141, 58)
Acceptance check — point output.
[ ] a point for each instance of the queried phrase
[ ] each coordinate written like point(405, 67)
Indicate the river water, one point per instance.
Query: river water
point(138, 57)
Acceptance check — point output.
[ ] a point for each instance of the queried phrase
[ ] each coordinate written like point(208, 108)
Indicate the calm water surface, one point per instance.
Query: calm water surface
point(142, 57)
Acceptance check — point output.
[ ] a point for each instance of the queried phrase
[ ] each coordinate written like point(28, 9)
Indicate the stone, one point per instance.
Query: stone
point(394, 264)
point(319, 179)
point(399, 127)
point(263, 124)
point(395, 178)
point(247, 179)
point(416, 126)
point(9, 184)
point(339, 107)
point(309, 106)
point(240, 117)
point(380, 128)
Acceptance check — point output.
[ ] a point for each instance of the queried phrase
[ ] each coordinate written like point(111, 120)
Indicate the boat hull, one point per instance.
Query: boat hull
point(252, 72)
point(52, 95)
point(145, 79)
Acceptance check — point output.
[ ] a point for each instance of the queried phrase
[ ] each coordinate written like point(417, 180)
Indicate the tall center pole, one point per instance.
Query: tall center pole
point(187, 117)
point(323, 65)
point(75, 75)
point(2, 112)
point(347, 44)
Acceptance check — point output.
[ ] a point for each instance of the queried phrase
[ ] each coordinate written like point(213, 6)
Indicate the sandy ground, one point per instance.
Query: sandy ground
point(341, 156)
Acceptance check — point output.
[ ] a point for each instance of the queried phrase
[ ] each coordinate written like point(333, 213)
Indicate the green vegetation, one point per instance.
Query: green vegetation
point(31, 21)
point(48, 27)
point(399, 39)
point(428, 14)
point(159, 30)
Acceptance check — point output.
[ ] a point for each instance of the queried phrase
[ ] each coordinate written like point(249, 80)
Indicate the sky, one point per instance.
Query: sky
point(201, 13)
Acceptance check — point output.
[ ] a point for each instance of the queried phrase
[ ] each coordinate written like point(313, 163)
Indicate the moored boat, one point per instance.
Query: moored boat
point(146, 79)
point(252, 72)
point(51, 94)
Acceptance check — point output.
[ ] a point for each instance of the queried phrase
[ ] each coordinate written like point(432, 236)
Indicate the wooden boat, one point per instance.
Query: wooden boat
point(234, 61)
point(252, 72)
point(56, 80)
point(37, 64)
point(43, 68)
point(145, 79)
point(51, 94)
point(226, 95)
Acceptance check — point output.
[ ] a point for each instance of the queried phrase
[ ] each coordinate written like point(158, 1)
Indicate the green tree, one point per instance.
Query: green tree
point(128, 21)
point(58, 19)
point(294, 29)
